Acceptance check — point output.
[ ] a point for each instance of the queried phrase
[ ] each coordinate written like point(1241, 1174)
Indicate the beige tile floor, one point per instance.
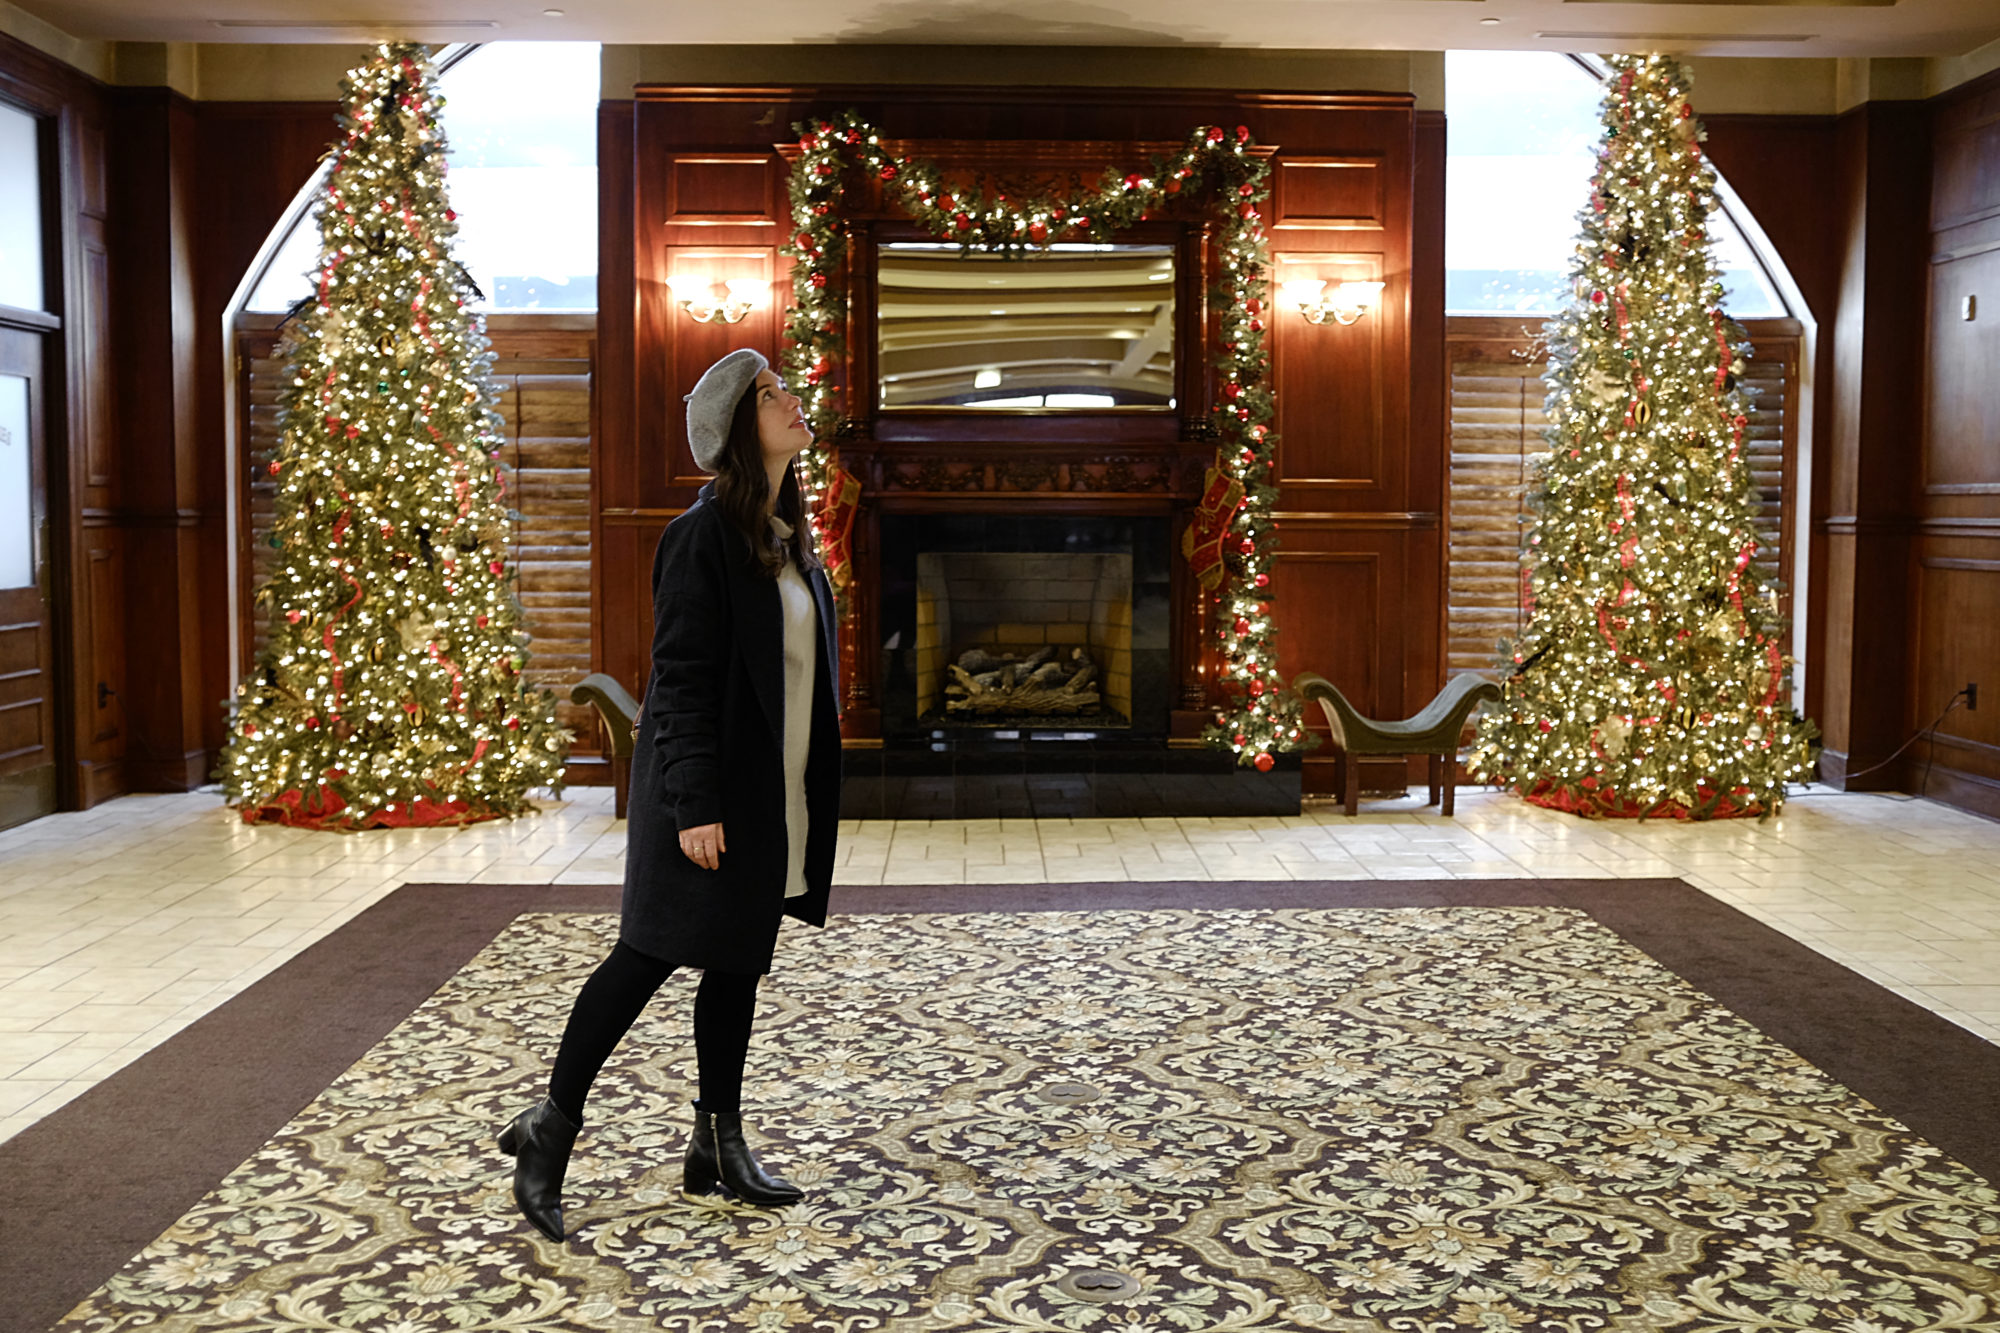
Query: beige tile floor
point(121, 925)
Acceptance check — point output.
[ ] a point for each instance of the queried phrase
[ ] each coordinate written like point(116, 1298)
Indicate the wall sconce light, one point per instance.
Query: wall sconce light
point(696, 295)
point(1347, 302)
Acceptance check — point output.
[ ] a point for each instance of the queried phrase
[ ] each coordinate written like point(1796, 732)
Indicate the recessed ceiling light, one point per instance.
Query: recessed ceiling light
point(553, 13)
point(1490, 22)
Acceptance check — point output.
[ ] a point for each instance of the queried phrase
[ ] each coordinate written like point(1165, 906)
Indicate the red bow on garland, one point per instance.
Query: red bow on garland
point(1221, 499)
point(834, 522)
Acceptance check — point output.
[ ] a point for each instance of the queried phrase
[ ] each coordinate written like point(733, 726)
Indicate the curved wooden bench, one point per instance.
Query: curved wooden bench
point(1434, 732)
point(619, 712)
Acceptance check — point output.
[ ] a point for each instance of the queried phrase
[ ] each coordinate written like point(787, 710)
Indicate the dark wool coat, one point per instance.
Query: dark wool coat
point(710, 750)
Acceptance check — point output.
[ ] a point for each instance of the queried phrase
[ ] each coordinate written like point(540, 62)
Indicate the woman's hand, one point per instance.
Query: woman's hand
point(704, 845)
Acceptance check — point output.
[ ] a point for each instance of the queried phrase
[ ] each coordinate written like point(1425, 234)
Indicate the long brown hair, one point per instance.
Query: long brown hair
point(742, 487)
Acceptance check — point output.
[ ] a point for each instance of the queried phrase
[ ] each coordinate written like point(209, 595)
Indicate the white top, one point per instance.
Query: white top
point(801, 620)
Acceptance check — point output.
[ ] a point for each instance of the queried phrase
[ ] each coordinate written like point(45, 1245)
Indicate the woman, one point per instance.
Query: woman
point(735, 786)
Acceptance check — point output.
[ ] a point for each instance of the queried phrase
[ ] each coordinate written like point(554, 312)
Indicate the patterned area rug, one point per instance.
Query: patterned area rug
point(1355, 1118)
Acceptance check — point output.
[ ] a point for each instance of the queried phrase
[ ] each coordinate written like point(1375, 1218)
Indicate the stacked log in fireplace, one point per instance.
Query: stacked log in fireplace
point(1049, 679)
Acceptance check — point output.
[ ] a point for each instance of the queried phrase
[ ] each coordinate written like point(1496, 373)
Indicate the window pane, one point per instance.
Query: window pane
point(17, 496)
point(521, 121)
point(20, 210)
point(289, 277)
point(1522, 134)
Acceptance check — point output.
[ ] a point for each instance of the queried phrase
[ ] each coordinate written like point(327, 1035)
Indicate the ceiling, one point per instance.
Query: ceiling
point(1720, 27)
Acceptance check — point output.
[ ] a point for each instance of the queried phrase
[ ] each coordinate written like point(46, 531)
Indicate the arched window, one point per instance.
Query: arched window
point(523, 181)
point(1521, 133)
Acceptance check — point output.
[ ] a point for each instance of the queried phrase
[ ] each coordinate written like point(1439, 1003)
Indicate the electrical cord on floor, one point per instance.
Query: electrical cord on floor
point(1930, 755)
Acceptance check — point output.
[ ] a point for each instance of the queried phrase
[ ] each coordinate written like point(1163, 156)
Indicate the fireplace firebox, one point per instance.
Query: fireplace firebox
point(1038, 589)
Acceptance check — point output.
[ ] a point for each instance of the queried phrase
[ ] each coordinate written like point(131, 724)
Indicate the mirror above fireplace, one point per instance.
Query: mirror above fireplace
point(1075, 327)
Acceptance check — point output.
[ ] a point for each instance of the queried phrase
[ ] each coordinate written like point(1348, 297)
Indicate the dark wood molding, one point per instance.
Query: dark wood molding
point(982, 95)
point(35, 321)
point(1972, 792)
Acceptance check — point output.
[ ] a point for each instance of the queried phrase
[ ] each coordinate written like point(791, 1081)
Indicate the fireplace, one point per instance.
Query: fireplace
point(1010, 585)
point(952, 581)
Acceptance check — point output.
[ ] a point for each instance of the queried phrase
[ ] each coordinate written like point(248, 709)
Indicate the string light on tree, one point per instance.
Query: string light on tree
point(1651, 678)
point(391, 692)
point(1231, 540)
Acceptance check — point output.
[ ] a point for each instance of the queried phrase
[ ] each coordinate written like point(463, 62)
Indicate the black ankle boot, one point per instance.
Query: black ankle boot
point(540, 1140)
point(717, 1152)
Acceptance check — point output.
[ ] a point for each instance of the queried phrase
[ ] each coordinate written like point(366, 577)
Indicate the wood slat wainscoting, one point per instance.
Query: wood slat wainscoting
point(1496, 424)
point(544, 366)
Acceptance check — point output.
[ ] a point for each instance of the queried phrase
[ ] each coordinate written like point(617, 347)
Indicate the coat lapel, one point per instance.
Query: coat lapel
point(760, 635)
point(759, 627)
point(829, 641)
point(757, 620)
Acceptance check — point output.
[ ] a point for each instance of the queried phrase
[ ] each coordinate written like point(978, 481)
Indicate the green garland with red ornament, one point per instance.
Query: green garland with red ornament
point(1231, 541)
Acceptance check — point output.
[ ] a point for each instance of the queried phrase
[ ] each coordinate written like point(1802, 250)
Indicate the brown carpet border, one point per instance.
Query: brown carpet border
point(97, 1180)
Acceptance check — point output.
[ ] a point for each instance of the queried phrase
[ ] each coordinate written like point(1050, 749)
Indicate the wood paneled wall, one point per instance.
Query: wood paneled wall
point(87, 560)
point(1955, 634)
point(1888, 216)
point(1360, 461)
point(161, 205)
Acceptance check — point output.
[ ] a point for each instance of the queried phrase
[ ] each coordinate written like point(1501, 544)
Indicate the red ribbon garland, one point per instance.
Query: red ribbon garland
point(1721, 352)
point(1628, 550)
point(1743, 558)
point(457, 698)
point(326, 637)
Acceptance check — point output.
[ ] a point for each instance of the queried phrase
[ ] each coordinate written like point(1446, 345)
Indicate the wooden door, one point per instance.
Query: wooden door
point(27, 663)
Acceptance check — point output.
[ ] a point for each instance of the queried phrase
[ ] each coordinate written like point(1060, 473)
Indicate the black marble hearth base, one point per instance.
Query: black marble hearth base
point(1027, 778)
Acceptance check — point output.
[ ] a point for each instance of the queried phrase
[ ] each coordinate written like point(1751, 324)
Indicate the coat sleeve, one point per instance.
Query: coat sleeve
point(691, 640)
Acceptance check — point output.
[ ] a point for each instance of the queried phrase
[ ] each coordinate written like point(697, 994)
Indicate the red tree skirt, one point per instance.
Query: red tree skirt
point(1606, 804)
point(325, 808)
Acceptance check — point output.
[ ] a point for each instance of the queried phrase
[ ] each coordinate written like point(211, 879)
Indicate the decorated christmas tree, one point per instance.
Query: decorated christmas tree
point(1651, 678)
point(391, 692)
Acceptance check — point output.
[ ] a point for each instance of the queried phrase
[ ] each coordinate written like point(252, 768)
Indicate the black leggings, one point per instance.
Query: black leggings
point(611, 1001)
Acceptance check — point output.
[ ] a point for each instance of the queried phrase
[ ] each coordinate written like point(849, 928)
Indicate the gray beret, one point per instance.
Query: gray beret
point(714, 400)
